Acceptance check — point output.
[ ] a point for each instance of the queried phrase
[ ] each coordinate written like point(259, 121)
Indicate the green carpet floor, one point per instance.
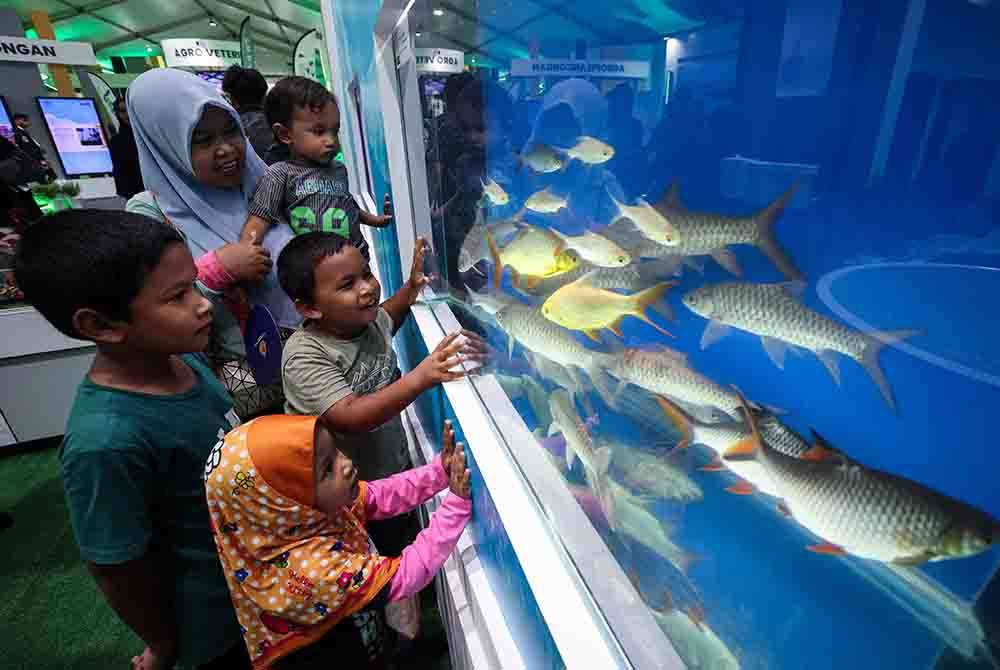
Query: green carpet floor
point(54, 616)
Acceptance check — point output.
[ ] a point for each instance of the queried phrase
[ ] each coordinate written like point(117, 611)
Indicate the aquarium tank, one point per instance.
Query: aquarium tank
point(739, 263)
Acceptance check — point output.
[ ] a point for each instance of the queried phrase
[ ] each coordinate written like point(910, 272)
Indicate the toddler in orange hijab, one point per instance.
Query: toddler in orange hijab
point(289, 515)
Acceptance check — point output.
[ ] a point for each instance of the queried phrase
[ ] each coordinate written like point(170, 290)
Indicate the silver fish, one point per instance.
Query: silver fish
point(773, 312)
point(545, 202)
point(494, 191)
point(529, 326)
point(528, 388)
point(631, 278)
point(580, 445)
point(636, 522)
point(867, 513)
point(697, 644)
point(653, 474)
point(701, 233)
point(544, 159)
point(664, 371)
point(491, 303)
point(723, 436)
point(590, 150)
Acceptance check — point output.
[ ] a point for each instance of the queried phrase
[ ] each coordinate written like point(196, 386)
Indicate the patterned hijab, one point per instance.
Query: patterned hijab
point(293, 572)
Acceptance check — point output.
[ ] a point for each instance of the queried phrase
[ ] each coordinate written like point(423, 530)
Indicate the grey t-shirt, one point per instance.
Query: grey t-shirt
point(310, 198)
point(319, 370)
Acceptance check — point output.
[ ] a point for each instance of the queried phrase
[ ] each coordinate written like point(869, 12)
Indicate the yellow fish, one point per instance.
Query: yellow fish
point(581, 306)
point(534, 253)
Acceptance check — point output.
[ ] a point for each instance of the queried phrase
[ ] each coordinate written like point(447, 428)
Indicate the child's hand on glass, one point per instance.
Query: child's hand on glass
point(458, 475)
point(447, 446)
point(437, 367)
point(418, 280)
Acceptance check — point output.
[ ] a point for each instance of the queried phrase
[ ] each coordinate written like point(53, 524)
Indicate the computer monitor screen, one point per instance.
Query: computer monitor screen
point(75, 128)
point(6, 122)
point(213, 77)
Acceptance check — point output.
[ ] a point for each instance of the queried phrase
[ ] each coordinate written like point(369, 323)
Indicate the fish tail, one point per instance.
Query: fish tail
point(620, 206)
point(497, 264)
point(869, 359)
point(654, 294)
point(766, 240)
point(679, 419)
point(750, 448)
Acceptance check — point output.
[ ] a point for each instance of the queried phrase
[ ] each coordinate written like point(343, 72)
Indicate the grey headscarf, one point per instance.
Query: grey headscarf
point(165, 105)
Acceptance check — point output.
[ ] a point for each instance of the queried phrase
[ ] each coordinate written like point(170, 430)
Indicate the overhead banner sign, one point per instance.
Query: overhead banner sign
point(201, 53)
point(551, 67)
point(248, 49)
point(46, 51)
point(445, 61)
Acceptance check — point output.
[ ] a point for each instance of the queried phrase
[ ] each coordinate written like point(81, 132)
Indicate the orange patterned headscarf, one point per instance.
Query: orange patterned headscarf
point(293, 572)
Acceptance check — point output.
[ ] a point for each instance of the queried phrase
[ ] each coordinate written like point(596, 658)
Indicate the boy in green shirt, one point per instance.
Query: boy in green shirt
point(143, 423)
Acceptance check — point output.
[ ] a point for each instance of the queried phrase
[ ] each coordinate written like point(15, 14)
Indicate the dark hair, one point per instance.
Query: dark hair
point(298, 260)
point(89, 258)
point(245, 87)
point(292, 92)
point(19, 115)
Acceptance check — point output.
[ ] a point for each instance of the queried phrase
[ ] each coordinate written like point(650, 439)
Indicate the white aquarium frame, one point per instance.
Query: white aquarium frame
point(594, 614)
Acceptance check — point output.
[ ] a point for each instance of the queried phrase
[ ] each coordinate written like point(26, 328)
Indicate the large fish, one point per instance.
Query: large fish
point(580, 445)
point(475, 248)
point(868, 513)
point(635, 521)
point(722, 436)
point(651, 223)
point(558, 375)
point(652, 473)
point(697, 644)
point(664, 371)
point(703, 233)
point(526, 387)
point(490, 302)
point(537, 334)
point(533, 253)
point(581, 306)
point(774, 312)
point(595, 249)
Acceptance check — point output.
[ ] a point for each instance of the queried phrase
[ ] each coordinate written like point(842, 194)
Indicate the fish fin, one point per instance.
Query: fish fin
point(869, 359)
point(686, 560)
point(741, 488)
point(642, 300)
point(671, 200)
point(680, 420)
point(828, 357)
point(827, 548)
point(820, 454)
point(602, 459)
point(532, 282)
point(497, 263)
point(510, 346)
point(715, 466)
point(662, 267)
point(776, 350)
point(714, 331)
point(744, 450)
point(796, 288)
point(695, 263)
point(616, 328)
point(768, 243)
point(913, 561)
point(727, 259)
point(593, 335)
point(784, 510)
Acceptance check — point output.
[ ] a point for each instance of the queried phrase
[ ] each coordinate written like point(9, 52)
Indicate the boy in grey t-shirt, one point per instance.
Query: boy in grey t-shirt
point(341, 366)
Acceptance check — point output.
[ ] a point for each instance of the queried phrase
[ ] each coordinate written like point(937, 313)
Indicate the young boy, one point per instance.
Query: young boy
point(309, 191)
point(341, 366)
point(144, 421)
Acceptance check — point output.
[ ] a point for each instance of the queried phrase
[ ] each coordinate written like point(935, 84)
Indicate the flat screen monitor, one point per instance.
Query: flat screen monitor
point(213, 77)
point(75, 128)
point(6, 122)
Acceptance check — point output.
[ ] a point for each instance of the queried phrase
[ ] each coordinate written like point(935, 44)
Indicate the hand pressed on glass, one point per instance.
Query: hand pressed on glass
point(450, 353)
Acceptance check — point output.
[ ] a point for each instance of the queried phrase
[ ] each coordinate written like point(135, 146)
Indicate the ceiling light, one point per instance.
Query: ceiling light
point(439, 12)
point(212, 23)
point(419, 34)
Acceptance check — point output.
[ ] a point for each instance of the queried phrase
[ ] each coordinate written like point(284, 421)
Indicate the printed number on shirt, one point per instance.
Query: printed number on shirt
point(303, 220)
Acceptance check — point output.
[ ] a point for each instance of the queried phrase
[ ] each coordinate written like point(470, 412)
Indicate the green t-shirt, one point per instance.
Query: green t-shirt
point(132, 466)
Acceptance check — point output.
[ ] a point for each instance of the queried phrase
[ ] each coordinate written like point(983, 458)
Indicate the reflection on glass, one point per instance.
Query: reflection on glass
point(737, 258)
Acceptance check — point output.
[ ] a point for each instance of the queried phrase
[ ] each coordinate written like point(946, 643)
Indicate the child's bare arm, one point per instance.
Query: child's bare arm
point(398, 306)
point(140, 595)
point(362, 413)
point(375, 220)
point(254, 229)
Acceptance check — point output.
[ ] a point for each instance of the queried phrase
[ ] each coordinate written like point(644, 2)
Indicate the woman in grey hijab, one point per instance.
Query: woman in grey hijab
point(199, 172)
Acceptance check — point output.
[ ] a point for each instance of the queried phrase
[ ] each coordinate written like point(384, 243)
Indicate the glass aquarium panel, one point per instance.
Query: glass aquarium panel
point(739, 262)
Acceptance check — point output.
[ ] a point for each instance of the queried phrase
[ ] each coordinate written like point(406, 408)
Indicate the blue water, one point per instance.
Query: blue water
point(892, 134)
